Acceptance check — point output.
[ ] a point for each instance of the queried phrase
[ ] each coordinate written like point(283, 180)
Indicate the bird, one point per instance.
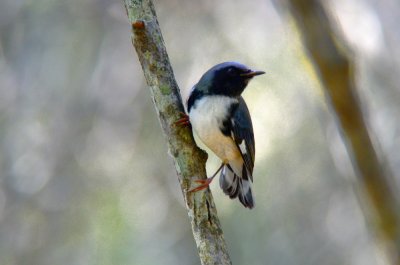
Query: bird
point(220, 118)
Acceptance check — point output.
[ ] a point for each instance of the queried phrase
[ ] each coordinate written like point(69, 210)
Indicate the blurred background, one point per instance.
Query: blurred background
point(85, 177)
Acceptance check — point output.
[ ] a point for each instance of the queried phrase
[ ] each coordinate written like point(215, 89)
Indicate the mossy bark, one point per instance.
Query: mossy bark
point(335, 71)
point(188, 158)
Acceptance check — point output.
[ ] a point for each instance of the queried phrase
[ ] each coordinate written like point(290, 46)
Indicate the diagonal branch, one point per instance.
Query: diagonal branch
point(337, 77)
point(188, 158)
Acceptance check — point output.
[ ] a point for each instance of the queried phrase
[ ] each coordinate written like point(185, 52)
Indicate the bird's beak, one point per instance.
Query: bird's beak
point(252, 73)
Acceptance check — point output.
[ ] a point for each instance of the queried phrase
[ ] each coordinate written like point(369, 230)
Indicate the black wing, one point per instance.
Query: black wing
point(242, 132)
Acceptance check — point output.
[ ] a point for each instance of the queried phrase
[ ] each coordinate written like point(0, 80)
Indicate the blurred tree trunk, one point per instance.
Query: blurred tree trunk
point(337, 78)
point(188, 158)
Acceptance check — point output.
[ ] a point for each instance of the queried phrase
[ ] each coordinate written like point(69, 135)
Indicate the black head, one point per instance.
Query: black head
point(229, 78)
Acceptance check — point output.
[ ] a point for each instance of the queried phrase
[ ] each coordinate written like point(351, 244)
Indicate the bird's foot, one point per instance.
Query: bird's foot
point(204, 184)
point(184, 121)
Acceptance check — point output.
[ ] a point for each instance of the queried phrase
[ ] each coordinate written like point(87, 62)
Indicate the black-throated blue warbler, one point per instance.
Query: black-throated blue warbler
point(219, 116)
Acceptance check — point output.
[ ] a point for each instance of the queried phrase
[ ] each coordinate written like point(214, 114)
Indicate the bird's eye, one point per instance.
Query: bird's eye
point(232, 71)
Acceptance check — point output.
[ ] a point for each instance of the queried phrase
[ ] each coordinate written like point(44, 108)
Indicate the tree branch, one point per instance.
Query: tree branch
point(188, 158)
point(337, 77)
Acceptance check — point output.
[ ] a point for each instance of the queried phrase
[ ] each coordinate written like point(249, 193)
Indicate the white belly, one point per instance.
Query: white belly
point(206, 117)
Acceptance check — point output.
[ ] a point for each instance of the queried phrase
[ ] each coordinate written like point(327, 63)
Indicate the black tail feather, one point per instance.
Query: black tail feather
point(235, 186)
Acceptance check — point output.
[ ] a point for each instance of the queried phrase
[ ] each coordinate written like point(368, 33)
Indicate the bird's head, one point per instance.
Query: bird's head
point(228, 79)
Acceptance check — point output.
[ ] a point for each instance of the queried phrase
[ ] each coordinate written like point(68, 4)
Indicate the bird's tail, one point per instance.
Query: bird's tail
point(235, 186)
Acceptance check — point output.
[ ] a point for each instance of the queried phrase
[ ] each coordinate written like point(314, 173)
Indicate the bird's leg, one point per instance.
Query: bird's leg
point(184, 121)
point(206, 182)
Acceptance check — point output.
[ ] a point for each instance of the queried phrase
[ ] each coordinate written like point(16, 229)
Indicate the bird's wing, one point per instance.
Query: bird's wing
point(242, 134)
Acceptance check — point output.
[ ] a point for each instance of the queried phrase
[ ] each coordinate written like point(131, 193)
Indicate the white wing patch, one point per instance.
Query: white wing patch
point(243, 148)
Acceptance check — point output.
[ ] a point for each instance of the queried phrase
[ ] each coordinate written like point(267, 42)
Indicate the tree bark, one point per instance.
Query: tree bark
point(335, 71)
point(188, 158)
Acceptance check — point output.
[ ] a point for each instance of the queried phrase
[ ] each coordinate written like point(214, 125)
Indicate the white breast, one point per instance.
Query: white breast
point(206, 117)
